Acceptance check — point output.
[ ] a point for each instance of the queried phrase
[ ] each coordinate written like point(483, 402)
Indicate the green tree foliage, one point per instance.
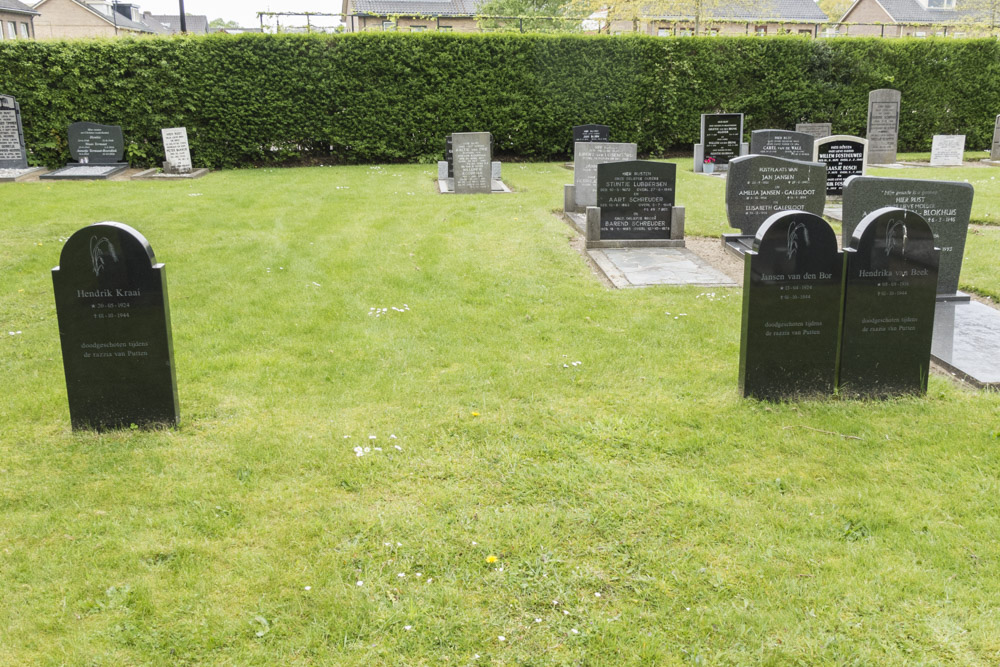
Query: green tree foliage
point(384, 97)
point(222, 23)
point(835, 8)
point(528, 15)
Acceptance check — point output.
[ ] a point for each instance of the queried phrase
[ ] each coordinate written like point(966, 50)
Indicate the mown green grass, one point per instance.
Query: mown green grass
point(715, 529)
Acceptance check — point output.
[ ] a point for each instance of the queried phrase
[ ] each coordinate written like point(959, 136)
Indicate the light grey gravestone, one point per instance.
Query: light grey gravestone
point(586, 156)
point(818, 130)
point(12, 153)
point(947, 150)
point(473, 161)
point(995, 152)
point(758, 186)
point(844, 156)
point(177, 150)
point(883, 125)
point(945, 205)
point(782, 143)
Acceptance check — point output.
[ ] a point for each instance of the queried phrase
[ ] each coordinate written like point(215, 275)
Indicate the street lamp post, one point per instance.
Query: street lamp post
point(184, 27)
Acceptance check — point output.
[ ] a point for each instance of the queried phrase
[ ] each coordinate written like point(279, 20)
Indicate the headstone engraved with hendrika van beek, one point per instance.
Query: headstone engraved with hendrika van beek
point(844, 156)
point(791, 308)
point(883, 125)
point(782, 143)
point(890, 287)
point(114, 329)
point(945, 205)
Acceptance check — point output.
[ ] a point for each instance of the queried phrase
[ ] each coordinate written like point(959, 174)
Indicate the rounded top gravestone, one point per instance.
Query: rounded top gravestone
point(791, 308)
point(114, 329)
point(889, 302)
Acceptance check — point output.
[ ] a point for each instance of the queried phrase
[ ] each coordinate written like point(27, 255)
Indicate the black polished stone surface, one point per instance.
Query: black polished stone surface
point(782, 143)
point(890, 288)
point(844, 156)
point(114, 327)
point(791, 309)
point(449, 158)
point(91, 143)
point(758, 186)
point(721, 136)
point(967, 341)
point(12, 153)
point(945, 205)
point(636, 199)
point(591, 132)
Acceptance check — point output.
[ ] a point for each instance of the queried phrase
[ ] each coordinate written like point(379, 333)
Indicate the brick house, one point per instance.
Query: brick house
point(17, 20)
point(71, 19)
point(411, 15)
point(909, 18)
point(770, 17)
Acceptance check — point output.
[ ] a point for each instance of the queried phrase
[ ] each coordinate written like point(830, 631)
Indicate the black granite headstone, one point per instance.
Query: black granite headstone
point(449, 156)
point(791, 308)
point(945, 205)
point(721, 136)
point(636, 199)
point(844, 156)
point(889, 296)
point(782, 143)
point(114, 327)
point(591, 133)
point(759, 186)
point(12, 153)
point(90, 143)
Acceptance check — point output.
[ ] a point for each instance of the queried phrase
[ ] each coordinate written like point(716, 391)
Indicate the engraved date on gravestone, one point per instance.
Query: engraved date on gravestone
point(114, 329)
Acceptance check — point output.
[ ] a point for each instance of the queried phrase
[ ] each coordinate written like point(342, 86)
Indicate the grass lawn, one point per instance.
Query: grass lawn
point(512, 505)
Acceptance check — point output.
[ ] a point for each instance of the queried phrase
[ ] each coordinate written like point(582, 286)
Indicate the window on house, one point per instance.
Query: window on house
point(388, 25)
point(25, 31)
point(761, 30)
point(807, 33)
point(444, 28)
point(686, 32)
point(714, 32)
point(920, 33)
point(11, 29)
point(418, 28)
point(663, 32)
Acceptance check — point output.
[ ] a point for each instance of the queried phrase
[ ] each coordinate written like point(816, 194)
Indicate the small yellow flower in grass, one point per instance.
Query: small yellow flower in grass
point(475, 414)
point(491, 559)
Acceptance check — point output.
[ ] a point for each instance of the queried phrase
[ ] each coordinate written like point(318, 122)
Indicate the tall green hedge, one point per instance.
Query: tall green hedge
point(374, 97)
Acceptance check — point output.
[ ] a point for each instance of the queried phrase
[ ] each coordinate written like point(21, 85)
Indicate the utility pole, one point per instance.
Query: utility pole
point(184, 26)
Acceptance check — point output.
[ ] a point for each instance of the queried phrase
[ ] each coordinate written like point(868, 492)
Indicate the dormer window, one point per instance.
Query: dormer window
point(937, 4)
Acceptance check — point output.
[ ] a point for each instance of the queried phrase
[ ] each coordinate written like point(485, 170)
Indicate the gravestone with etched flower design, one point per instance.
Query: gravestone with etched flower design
point(114, 328)
point(791, 308)
point(890, 290)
